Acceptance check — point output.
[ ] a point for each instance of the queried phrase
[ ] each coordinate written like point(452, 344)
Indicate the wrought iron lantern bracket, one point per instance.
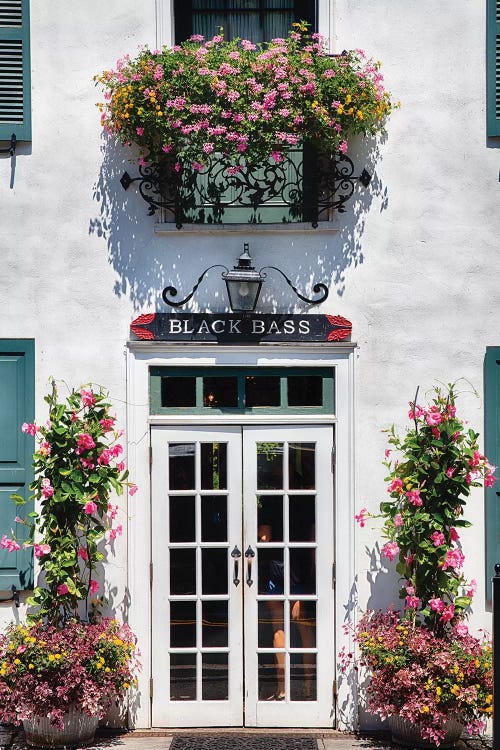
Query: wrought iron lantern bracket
point(11, 148)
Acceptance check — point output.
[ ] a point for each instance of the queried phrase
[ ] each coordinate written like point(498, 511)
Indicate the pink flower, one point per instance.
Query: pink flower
point(87, 463)
point(9, 544)
point(387, 452)
point(62, 589)
point(390, 550)
point(437, 538)
point(88, 398)
point(409, 558)
point(90, 507)
point(47, 489)
point(107, 424)
point(116, 532)
point(277, 156)
point(472, 588)
point(343, 147)
point(360, 518)
point(433, 418)
point(454, 559)
point(139, 131)
point(450, 471)
point(83, 554)
point(414, 498)
point(398, 520)
point(448, 613)
point(44, 448)
point(412, 602)
point(112, 511)
point(395, 486)
point(461, 630)
point(105, 457)
point(437, 605)
point(489, 480)
point(85, 442)
point(436, 433)
point(29, 428)
point(167, 148)
point(455, 436)
point(133, 488)
point(41, 549)
point(454, 535)
point(93, 586)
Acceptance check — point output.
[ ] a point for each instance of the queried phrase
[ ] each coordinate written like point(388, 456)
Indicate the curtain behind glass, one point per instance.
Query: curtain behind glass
point(258, 20)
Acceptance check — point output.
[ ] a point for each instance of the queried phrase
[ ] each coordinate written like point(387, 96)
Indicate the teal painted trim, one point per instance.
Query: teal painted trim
point(492, 451)
point(22, 130)
point(493, 68)
point(22, 574)
point(156, 373)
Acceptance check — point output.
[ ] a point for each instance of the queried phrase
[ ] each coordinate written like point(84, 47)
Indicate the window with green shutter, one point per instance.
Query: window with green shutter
point(493, 68)
point(15, 85)
point(17, 405)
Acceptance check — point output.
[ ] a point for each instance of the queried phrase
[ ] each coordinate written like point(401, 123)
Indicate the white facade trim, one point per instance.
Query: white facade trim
point(140, 357)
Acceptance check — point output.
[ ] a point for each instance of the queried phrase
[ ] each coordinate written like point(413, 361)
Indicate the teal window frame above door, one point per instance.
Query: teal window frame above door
point(493, 68)
point(15, 70)
point(17, 405)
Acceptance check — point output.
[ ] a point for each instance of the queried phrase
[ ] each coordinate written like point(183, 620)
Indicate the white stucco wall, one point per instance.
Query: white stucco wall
point(413, 262)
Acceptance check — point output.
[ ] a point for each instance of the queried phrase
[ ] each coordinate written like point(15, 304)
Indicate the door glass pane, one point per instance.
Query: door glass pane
point(271, 567)
point(301, 466)
point(302, 571)
point(183, 571)
point(270, 518)
point(269, 466)
point(215, 624)
point(271, 627)
point(262, 390)
point(181, 466)
point(214, 571)
point(182, 624)
point(302, 624)
point(183, 677)
point(302, 518)
point(215, 677)
point(178, 391)
point(213, 466)
point(214, 518)
point(220, 392)
point(303, 677)
point(182, 518)
point(305, 390)
point(271, 676)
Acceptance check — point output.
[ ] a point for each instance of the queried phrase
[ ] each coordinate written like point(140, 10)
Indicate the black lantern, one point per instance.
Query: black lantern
point(243, 283)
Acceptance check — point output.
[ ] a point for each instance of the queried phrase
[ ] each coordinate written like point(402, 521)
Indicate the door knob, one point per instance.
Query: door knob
point(236, 554)
point(249, 554)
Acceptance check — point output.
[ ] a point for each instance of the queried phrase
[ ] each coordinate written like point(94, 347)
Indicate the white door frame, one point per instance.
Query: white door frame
point(141, 355)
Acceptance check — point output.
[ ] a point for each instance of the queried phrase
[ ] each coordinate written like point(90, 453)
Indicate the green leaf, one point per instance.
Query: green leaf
point(18, 499)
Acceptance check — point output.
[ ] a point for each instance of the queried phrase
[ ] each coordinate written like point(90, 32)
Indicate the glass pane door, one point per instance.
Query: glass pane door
point(288, 524)
point(197, 632)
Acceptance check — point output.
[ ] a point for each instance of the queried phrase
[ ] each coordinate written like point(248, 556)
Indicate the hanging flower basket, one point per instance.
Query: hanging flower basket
point(239, 100)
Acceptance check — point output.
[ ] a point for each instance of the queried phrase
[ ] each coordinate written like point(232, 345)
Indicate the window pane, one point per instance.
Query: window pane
point(214, 466)
point(305, 390)
point(262, 391)
point(182, 519)
point(220, 392)
point(215, 624)
point(270, 517)
point(301, 466)
point(183, 677)
point(214, 518)
point(181, 466)
point(271, 571)
point(182, 571)
point(214, 571)
point(215, 677)
point(302, 571)
point(302, 518)
point(303, 677)
point(182, 624)
point(270, 466)
point(178, 391)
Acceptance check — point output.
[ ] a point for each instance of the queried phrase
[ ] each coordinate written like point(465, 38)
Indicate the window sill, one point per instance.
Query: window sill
point(164, 228)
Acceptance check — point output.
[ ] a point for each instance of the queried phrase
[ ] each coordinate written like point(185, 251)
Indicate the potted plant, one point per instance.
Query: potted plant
point(426, 669)
point(244, 103)
point(67, 664)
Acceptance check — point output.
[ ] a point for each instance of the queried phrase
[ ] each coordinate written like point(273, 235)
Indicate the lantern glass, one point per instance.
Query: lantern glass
point(243, 292)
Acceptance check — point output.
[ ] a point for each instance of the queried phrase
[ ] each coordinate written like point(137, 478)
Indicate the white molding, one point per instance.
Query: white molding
point(140, 356)
point(324, 227)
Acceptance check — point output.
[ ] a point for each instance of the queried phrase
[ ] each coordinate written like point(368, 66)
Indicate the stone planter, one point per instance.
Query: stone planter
point(79, 729)
point(405, 733)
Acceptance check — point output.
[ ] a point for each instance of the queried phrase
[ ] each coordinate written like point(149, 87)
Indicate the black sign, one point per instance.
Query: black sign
point(236, 328)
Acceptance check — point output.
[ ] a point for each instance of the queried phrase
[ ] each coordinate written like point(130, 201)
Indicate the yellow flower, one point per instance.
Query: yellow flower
point(489, 698)
point(360, 115)
point(17, 661)
point(31, 666)
point(438, 690)
point(340, 109)
point(455, 689)
point(424, 709)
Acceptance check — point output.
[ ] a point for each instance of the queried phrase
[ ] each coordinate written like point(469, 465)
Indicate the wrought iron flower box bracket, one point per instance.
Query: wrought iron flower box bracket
point(304, 187)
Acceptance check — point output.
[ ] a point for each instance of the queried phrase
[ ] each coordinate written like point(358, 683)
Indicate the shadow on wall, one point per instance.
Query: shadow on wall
point(145, 264)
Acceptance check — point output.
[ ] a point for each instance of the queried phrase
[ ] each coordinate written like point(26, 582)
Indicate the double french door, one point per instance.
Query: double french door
point(242, 596)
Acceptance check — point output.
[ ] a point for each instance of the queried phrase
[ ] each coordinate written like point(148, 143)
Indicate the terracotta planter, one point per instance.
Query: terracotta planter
point(79, 729)
point(405, 733)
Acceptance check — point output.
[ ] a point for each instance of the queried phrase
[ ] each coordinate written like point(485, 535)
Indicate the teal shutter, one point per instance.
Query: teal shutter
point(17, 405)
point(493, 68)
point(492, 451)
point(15, 70)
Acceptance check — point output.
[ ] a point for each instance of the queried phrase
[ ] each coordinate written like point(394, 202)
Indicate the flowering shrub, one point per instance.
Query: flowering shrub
point(438, 461)
point(43, 670)
point(422, 677)
point(241, 100)
point(77, 466)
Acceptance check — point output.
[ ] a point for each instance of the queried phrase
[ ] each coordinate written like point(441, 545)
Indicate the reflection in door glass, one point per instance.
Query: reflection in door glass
point(215, 677)
point(183, 677)
point(302, 624)
point(214, 571)
point(270, 686)
point(182, 571)
point(301, 466)
point(182, 518)
point(271, 627)
point(302, 518)
point(181, 466)
point(213, 466)
point(271, 570)
point(302, 570)
point(303, 677)
point(182, 624)
point(270, 518)
point(215, 624)
point(269, 466)
point(214, 518)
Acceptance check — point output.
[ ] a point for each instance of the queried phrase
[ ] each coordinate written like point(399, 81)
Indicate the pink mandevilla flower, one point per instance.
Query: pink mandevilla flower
point(360, 518)
point(90, 507)
point(390, 550)
point(437, 538)
point(88, 398)
point(414, 498)
point(398, 520)
point(62, 589)
point(93, 586)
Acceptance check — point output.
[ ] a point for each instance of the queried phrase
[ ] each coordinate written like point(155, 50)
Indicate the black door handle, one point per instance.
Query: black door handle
point(236, 554)
point(249, 554)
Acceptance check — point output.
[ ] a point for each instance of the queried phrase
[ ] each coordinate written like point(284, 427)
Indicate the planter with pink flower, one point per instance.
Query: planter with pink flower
point(426, 669)
point(67, 664)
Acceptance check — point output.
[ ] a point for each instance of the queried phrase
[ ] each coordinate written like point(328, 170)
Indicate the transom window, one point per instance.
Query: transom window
point(198, 390)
